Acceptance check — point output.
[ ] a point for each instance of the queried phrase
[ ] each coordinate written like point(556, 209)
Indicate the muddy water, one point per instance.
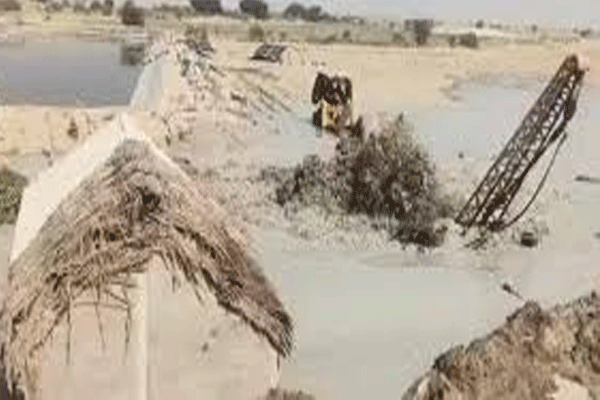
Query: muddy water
point(480, 124)
point(367, 325)
point(367, 332)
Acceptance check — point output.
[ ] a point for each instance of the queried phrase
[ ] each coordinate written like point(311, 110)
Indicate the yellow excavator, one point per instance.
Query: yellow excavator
point(333, 95)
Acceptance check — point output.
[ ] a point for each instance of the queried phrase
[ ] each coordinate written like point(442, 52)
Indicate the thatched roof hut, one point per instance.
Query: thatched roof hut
point(102, 241)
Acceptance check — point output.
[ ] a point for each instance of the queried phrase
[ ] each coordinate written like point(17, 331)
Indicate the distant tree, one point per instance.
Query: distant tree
point(479, 24)
point(398, 38)
point(207, 6)
point(294, 11)
point(54, 7)
point(79, 7)
point(108, 7)
point(313, 14)
point(132, 15)
point(346, 36)
point(256, 33)
point(178, 13)
point(10, 5)
point(327, 17)
point(196, 32)
point(452, 41)
point(421, 29)
point(468, 40)
point(96, 6)
point(585, 33)
point(256, 8)
point(329, 39)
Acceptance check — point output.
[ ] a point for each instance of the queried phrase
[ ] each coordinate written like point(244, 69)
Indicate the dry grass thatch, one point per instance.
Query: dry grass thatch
point(11, 191)
point(132, 208)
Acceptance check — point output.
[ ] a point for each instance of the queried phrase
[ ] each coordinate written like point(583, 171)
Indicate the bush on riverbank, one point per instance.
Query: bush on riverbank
point(388, 176)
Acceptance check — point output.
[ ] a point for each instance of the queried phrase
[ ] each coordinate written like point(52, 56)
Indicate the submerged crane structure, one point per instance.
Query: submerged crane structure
point(542, 126)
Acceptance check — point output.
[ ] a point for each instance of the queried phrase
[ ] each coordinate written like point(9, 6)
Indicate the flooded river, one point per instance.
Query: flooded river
point(65, 72)
point(367, 325)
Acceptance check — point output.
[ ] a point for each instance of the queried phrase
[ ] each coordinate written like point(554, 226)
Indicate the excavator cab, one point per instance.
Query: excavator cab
point(333, 95)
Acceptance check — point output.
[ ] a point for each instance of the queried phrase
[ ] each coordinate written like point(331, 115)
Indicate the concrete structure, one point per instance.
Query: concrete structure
point(179, 347)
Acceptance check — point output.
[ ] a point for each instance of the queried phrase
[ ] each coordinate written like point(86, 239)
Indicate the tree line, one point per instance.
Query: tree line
point(259, 9)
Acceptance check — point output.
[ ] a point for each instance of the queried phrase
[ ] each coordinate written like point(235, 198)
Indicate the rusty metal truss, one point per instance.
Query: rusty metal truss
point(543, 124)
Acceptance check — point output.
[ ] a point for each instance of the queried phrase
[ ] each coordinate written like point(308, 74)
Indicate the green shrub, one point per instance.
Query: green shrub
point(329, 39)
point(208, 7)
point(108, 7)
point(196, 32)
point(79, 7)
point(132, 15)
point(346, 35)
point(256, 33)
point(388, 176)
point(10, 5)
point(96, 6)
point(398, 38)
point(452, 41)
point(468, 40)
point(422, 30)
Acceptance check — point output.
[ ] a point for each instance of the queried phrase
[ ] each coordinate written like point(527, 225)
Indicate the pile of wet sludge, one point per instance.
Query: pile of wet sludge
point(388, 176)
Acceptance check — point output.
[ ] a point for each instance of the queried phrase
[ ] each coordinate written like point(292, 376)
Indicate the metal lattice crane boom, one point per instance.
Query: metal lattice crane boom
point(543, 124)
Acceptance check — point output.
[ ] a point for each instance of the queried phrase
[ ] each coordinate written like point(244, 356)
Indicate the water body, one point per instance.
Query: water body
point(67, 72)
point(367, 326)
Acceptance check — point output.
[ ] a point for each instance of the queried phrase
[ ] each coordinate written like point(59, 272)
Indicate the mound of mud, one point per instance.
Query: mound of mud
point(387, 176)
point(11, 191)
point(522, 359)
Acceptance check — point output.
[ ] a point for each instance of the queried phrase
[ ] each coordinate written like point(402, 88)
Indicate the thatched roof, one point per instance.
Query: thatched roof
point(133, 206)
